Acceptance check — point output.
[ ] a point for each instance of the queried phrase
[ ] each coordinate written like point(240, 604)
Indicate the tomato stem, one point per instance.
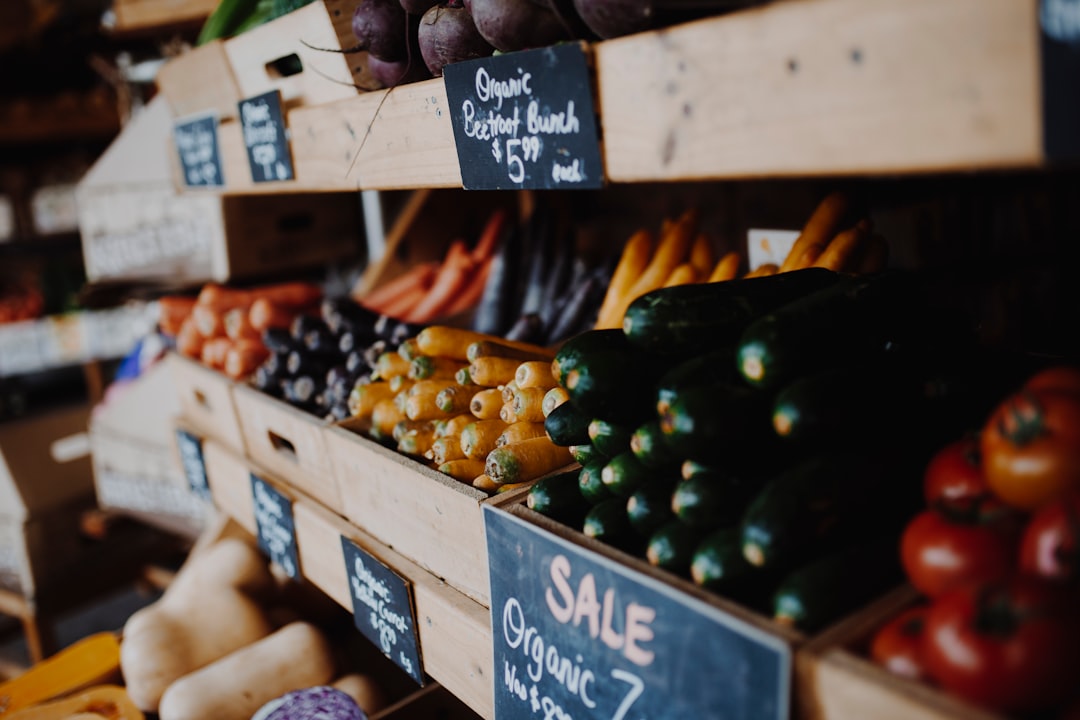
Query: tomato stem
point(1027, 420)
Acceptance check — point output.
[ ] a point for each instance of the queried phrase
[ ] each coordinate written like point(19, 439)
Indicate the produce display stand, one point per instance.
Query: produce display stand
point(454, 632)
point(206, 400)
point(838, 680)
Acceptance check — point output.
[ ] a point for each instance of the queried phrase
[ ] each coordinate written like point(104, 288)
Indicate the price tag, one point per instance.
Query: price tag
point(191, 458)
point(383, 608)
point(276, 533)
point(197, 144)
point(1059, 42)
point(266, 138)
point(769, 246)
point(578, 635)
point(525, 120)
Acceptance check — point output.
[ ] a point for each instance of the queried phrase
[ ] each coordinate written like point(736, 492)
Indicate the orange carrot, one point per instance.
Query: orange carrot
point(289, 294)
point(237, 326)
point(243, 357)
point(685, 274)
point(173, 311)
point(823, 224)
point(266, 314)
point(633, 261)
point(701, 255)
point(223, 298)
point(474, 289)
point(489, 238)
point(403, 304)
point(727, 268)
point(449, 281)
point(209, 320)
point(189, 342)
point(421, 274)
point(214, 351)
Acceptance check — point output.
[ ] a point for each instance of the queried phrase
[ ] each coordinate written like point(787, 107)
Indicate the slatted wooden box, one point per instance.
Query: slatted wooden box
point(206, 400)
point(454, 631)
point(838, 680)
point(430, 518)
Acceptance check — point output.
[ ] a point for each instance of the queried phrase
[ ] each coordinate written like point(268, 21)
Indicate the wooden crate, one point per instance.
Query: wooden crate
point(432, 701)
point(206, 400)
point(454, 631)
point(134, 15)
point(826, 87)
point(288, 442)
point(430, 518)
point(837, 679)
point(200, 80)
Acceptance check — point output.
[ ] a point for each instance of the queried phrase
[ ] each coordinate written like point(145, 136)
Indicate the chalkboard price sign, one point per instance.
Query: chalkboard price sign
point(525, 120)
point(197, 144)
point(191, 459)
point(383, 608)
point(1059, 43)
point(266, 138)
point(276, 532)
point(578, 635)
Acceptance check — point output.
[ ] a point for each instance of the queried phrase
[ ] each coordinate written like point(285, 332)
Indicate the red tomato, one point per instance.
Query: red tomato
point(1031, 447)
point(959, 541)
point(897, 646)
point(1011, 646)
point(1063, 378)
point(954, 472)
point(1050, 546)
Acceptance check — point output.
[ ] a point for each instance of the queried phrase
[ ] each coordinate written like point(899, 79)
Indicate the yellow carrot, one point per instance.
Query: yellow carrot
point(500, 348)
point(426, 367)
point(844, 251)
point(444, 450)
point(553, 398)
point(493, 371)
point(823, 224)
point(363, 398)
point(525, 460)
point(451, 342)
point(701, 255)
point(727, 268)
point(528, 404)
point(633, 261)
point(479, 438)
point(486, 404)
point(455, 399)
point(685, 274)
point(763, 270)
point(519, 431)
point(464, 470)
point(534, 374)
point(670, 253)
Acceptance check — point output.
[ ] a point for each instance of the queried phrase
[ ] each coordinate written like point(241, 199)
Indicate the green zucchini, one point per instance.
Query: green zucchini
point(609, 438)
point(809, 506)
point(691, 319)
point(586, 453)
point(650, 507)
point(581, 346)
point(718, 565)
point(712, 499)
point(844, 324)
point(614, 382)
point(607, 522)
point(671, 547)
point(590, 485)
point(558, 497)
point(717, 423)
point(624, 474)
point(567, 425)
point(690, 468)
point(823, 591)
point(647, 444)
point(707, 369)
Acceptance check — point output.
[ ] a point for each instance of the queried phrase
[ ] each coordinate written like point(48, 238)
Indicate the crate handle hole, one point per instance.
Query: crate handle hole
point(200, 398)
point(282, 445)
point(284, 67)
point(296, 222)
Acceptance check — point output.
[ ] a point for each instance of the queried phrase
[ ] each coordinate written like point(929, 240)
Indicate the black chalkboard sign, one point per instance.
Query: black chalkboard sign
point(275, 530)
point(191, 459)
point(1059, 41)
point(525, 120)
point(197, 144)
point(578, 635)
point(266, 137)
point(383, 608)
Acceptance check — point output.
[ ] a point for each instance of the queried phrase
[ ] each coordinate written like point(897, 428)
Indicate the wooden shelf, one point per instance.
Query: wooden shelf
point(797, 88)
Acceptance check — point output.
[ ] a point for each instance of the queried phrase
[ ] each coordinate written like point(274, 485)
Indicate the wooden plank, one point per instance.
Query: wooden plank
point(836, 680)
point(228, 475)
point(417, 511)
point(287, 442)
point(455, 632)
point(385, 140)
point(306, 33)
point(825, 87)
point(200, 80)
point(134, 15)
point(206, 400)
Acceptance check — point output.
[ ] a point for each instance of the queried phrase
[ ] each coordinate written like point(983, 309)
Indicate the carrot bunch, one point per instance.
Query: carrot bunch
point(681, 255)
point(223, 327)
point(438, 289)
point(470, 404)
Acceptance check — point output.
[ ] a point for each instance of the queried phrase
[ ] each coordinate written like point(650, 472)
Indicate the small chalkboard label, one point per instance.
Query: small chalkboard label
point(576, 635)
point(525, 120)
point(383, 608)
point(266, 138)
point(191, 459)
point(1059, 42)
point(275, 530)
point(197, 144)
